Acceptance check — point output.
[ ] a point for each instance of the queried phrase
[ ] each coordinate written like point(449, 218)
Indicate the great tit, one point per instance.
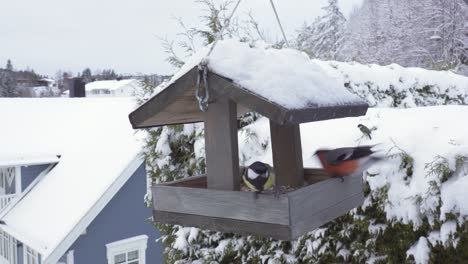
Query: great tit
point(259, 177)
point(342, 162)
point(365, 130)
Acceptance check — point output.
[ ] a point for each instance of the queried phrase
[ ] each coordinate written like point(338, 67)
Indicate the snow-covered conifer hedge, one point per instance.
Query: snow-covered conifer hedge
point(416, 207)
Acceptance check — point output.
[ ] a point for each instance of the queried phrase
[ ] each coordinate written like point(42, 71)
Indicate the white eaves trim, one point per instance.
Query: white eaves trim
point(27, 190)
point(36, 245)
point(29, 161)
point(107, 196)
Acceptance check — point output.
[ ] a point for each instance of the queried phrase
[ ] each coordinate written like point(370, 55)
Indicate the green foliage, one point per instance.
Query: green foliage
point(440, 167)
point(449, 253)
point(407, 164)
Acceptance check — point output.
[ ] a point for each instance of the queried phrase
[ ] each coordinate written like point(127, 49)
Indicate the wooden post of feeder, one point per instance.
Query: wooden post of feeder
point(221, 147)
point(287, 154)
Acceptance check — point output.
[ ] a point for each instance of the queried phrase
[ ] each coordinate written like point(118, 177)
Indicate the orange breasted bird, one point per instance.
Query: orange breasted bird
point(342, 162)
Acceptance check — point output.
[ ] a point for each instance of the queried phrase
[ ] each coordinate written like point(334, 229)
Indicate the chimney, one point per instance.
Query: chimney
point(77, 88)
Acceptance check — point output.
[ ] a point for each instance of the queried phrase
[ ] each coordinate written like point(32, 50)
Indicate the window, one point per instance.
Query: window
point(10, 180)
point(127, 251)
point(10, 185)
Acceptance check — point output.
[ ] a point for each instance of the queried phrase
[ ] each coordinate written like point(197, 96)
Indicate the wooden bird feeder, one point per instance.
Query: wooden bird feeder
point(214, 201)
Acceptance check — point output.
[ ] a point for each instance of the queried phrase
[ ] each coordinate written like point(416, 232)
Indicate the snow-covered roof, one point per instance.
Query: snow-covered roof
point(98, 151)
point(262, 79)
point(109, 85)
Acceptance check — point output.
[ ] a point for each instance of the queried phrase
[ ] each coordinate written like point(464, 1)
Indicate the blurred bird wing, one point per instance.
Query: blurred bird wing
point(343, 154)
point(339, 155)
point(366, 164)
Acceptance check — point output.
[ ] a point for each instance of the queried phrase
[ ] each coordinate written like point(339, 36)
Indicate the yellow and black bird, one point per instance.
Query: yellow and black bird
point(259, 177)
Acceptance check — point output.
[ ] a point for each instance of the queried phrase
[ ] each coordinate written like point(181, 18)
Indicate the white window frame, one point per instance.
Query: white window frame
point(71, 257)
point(68, 258)
point(127, 245)
point(18, 180)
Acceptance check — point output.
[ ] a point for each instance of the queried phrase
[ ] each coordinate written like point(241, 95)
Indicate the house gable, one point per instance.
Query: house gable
point(125, 216)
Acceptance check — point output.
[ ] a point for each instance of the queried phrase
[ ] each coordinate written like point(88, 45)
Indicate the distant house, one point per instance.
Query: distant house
point(72, 184)
point(130, 87)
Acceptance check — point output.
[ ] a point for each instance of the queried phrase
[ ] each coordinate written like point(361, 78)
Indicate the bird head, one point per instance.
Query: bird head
point(257, 169)
point(360, 125)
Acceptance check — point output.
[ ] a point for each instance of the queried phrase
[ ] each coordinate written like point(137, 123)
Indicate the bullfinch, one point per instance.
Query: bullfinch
point(342, 162)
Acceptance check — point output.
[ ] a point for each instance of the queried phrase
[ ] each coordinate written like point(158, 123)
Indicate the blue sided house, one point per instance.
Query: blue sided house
point(73, 184)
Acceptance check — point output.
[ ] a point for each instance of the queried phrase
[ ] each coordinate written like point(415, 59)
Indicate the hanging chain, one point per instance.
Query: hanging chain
point(203, 99)
point(279, 23)
point(202, 76)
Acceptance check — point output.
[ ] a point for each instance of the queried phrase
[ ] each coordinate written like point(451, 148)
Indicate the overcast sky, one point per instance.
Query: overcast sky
point(49, 35)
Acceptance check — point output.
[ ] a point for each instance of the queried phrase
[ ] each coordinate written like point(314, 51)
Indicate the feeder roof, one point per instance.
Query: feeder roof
point(284, 85)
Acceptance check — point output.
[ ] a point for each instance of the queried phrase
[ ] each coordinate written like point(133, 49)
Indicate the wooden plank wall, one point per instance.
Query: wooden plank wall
point(224, 204)
point(225, 225)
point(287, 217)
point(311, 176)
point(316, 204)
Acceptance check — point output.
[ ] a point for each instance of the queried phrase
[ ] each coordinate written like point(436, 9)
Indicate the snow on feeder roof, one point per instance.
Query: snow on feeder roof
point(282, 85)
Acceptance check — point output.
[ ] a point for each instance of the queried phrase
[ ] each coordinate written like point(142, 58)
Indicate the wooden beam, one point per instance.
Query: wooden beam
point(221, 144)
point(319, 203)
point(225, 225)
point(318, 113)
point(312, 176)
point(287, 154)
point(285, 217)
point(177, 104)
point(225, 204)
point(192, 182)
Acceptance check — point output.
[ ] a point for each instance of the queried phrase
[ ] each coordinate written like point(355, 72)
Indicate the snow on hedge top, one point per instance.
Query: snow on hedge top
point(96, 143)
point(374, 82)
point(284, 76)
